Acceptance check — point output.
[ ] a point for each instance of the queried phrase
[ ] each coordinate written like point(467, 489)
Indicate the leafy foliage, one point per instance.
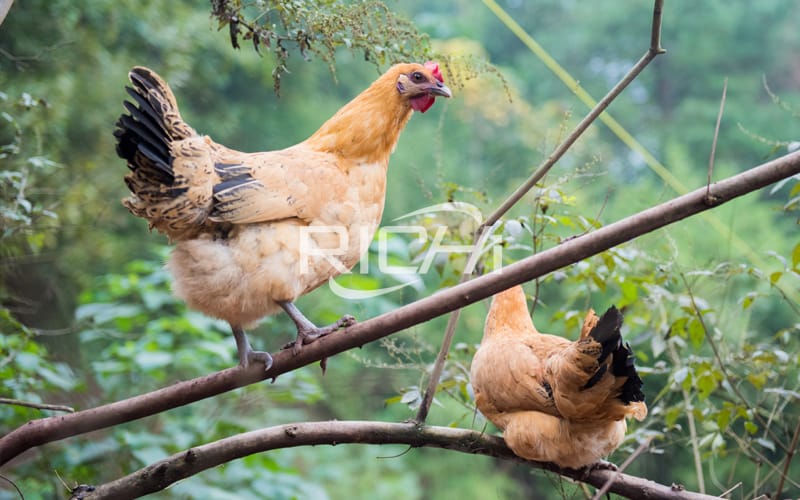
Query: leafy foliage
point(320, 27)
point(715, 333)
point(23, 211)
point(27, 371)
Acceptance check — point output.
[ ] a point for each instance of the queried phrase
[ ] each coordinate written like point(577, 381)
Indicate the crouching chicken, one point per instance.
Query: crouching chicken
point(255, 231)
point(555, 400)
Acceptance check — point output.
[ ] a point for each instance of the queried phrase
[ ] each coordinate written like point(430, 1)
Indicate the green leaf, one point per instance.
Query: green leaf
point(148, 360)
point(629, 291)
point(658, 345)
point(680, 375)
point(672, 415)
point(723, 419)
point(766, 443)
point(757, 379)
point(678, 328)
point(706, 384)
point(601, 284)
point(696, 332)
point(796, 254)
point(748, 299)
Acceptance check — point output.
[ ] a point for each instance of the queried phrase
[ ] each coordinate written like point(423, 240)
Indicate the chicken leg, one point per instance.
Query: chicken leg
point(246, 353)
point(308, 332)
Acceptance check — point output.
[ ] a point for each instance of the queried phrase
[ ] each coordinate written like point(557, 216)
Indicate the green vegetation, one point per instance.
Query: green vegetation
point(87, 317)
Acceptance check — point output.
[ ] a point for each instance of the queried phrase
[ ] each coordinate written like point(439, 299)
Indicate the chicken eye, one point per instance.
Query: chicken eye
point(417, 77)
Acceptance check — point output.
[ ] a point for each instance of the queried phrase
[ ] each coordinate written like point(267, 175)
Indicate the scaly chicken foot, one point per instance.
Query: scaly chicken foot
point(308, 332)
point(599, 465)
point(246, 353)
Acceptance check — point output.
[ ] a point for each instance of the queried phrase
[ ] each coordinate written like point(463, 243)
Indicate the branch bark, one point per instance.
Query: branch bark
point(46, 430)
point(187, 463)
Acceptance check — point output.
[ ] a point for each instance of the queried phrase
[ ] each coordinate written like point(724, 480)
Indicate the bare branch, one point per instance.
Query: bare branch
point(716, 135)
point(790, 453)
point(161, 474)
point(38, 406)
point(687, 401)
point(46, 430)
point(14, 485)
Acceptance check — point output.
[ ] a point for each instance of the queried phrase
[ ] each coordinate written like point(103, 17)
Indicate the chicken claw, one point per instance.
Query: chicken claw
point(599, 465)
point(246, 353)
point(308, 332)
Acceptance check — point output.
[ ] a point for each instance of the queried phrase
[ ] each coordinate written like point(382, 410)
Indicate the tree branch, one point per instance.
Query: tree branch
point(187, 463)
point(41, 431)
point(37, 406)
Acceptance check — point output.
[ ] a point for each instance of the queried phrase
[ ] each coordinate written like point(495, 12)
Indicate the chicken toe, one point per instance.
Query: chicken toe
point(246, 353)
point(599, 465)
point(308, 332)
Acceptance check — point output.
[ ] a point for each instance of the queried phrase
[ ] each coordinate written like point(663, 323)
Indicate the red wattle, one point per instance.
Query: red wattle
point(422, 103)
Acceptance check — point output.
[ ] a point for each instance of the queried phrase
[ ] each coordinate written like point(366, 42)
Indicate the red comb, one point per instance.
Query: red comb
point(433, 67)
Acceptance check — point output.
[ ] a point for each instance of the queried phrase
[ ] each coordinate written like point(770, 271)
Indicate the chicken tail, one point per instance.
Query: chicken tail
point(164, 182)
point(595, 379)
point(607, 333)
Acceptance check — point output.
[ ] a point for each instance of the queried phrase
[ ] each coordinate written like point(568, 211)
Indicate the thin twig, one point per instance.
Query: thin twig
point(698, 461)
point(38, 406)
point(610, 481)
point(12, 483)
point(714, 142)
point(789, 456)
point(655, 32)
point(730, 490)
point(484, 230)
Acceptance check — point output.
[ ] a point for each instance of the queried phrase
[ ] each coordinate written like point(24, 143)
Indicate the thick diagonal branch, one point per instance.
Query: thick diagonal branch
point(38, 432)
point(187, 463)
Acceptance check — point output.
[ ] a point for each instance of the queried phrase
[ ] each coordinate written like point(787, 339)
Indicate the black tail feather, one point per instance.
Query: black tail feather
point(152, 131)
point(607, 333)
point(142, 138)
point(623, 365)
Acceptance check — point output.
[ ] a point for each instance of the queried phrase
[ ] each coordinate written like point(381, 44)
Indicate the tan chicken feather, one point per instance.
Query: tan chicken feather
point(255, 231)
point(556, 400)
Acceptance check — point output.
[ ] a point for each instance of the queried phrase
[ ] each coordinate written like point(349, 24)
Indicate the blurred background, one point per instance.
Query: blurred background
point(87, 317)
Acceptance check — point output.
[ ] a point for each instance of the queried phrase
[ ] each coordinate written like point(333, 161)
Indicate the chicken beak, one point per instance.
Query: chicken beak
point(440, 89)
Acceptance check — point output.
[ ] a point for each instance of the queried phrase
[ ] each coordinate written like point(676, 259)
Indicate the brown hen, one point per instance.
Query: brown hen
point(556, 400)
point(255, 231)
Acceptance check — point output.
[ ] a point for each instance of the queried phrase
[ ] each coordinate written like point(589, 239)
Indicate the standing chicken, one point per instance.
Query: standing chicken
point(556, 400)
point(255, 231)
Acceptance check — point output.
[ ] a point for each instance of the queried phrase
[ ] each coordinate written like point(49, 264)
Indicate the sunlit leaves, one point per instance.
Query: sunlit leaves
point(21, 210)
point(319, 27)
